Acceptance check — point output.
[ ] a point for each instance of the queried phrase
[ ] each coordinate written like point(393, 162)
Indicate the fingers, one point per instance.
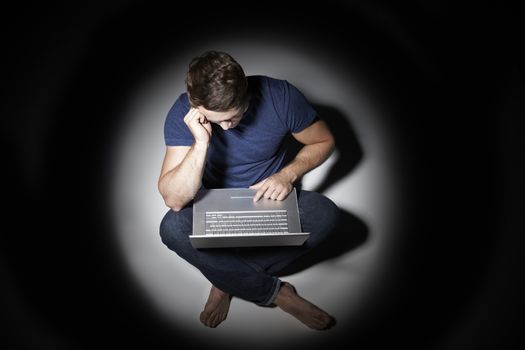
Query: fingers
point(199, 125)
point(274, 195)
point(258, 195)
point(202, 119)
point(258, 185)
point(190, 115)
point(271, 190)
point(195, 115)
point(283, 195)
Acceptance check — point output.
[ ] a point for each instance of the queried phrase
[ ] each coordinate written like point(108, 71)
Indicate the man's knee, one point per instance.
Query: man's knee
point(319, 212)
point(175, 227)
point(331, 210)
point(314, 202)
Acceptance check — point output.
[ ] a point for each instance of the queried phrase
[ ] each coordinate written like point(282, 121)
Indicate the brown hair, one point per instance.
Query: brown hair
point(217, 82)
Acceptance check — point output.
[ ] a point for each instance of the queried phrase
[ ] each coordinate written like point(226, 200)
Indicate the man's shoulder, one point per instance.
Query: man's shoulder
point(180, 106)
point(264, 79)
point(181, 103)
point(265, 84)
point(183, 100)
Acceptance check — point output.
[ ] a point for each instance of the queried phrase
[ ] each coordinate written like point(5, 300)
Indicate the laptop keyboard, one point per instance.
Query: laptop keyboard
point(261, 222)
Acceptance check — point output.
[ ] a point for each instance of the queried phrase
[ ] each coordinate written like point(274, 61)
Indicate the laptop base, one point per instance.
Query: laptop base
point(237, 241)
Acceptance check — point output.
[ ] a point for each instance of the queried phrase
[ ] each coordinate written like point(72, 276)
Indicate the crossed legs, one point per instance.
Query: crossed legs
point(250, 274)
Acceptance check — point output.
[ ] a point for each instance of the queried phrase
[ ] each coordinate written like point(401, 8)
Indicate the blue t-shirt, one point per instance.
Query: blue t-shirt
point(256, 147)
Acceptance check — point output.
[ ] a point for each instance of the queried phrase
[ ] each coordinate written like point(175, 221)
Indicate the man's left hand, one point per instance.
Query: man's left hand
point(275, 187)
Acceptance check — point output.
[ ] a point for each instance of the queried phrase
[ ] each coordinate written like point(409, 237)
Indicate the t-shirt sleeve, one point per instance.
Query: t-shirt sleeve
point(176, 133)
point(293, 107)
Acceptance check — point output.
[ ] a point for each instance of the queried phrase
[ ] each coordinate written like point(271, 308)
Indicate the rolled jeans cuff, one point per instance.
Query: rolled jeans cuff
point(275, 289)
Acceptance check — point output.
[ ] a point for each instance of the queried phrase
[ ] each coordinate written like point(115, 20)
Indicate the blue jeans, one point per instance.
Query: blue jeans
point(250, 273)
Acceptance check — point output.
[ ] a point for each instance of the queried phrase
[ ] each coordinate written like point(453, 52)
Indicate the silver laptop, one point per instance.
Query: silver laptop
point(227, 218)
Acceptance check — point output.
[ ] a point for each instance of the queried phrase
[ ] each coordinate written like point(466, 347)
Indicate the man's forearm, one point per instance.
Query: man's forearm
point(179, 186)
point(308, 158)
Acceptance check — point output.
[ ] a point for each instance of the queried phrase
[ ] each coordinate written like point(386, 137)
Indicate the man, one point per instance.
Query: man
point(230, 130)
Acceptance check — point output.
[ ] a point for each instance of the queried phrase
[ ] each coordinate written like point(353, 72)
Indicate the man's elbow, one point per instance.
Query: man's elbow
point(170, 200)
point(175, 208)
point(174, 204)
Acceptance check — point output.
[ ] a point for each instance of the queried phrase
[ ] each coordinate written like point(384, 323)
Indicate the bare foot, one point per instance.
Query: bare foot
point(216, 308)
point(306, 312)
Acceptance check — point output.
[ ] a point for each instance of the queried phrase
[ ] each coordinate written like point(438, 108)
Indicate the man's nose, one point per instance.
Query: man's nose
point(226, 125)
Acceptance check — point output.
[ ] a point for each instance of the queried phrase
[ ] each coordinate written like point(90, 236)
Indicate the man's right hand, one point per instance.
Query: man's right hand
point(199, 126)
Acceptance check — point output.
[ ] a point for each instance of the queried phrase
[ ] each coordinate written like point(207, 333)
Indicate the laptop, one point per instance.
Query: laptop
point(228, 218)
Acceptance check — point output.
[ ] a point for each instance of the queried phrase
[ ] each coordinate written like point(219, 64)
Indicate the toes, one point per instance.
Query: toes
point(209, 319)
point(216, 319)
point(326, 322)
point(319, 324)
point(213, 320)
point(320, 321)
point(204, 317)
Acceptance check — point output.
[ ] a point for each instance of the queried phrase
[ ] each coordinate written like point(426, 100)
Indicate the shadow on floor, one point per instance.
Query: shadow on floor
point(350, 233)
point(349, 151)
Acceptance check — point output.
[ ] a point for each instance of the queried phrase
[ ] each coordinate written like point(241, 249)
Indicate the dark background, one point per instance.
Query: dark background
point(455, 74)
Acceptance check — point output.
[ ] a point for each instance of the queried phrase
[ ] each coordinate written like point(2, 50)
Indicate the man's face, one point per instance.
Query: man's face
point(227, 120)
